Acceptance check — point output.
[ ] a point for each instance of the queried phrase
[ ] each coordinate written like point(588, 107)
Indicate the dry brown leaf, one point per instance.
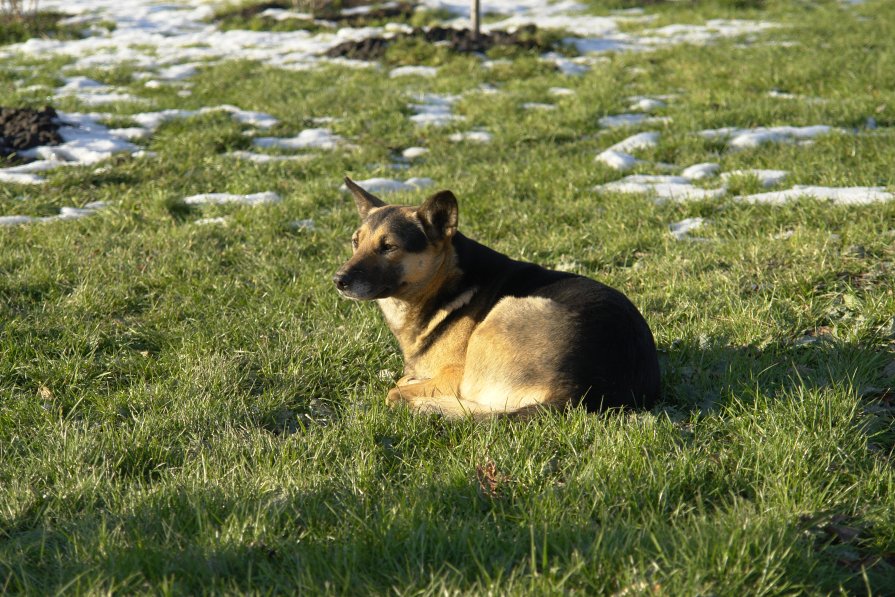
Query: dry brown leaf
point(489, 479)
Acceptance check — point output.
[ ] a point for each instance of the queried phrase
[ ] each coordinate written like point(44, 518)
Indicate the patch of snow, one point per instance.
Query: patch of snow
point(431, 109)
point(700, 171)
point(645, 104)
point(85, 141)
point(93, 93)
point(560, 91)
point(750, 138)
point(281, 14)
point(206, 221)
point(65, 213)
point(390, 185)
point(24, 174)
point(767, 178)
point(702, 34)
point(837, 195)
point(619, 157)
point(16, 220)
point(681, 230)
point(777, 94)
point(573, 67)
point(224, 198)
point(644, 140)
point(322, 138)
point(133, 133)
point(538, 106)
point(619, 120)
point(264, 158)
point(676, 188)
point(38, 166)
point(617, 160)
point(413, 71)
point(477, 136)
point(258, 119)
point(411, 153)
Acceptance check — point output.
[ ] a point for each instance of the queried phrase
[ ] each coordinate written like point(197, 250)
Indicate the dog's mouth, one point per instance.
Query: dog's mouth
point(364, 294)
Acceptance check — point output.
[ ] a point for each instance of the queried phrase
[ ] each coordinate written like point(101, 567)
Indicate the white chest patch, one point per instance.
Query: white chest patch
point(395, 312)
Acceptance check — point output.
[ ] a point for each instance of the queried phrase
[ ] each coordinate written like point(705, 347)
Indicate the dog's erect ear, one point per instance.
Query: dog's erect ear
point(365, 201)
point(439, 215)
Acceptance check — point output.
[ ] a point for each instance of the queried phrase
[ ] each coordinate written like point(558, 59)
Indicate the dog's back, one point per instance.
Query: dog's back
point(603, 350)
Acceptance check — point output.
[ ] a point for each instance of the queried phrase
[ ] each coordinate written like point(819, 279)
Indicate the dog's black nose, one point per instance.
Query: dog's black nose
point(340, 280)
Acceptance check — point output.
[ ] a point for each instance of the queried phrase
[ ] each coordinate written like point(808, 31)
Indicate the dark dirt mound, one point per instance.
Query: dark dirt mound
point(458, 40)
point(24, 128)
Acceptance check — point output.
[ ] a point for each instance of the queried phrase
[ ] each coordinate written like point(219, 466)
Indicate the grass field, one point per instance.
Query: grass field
point(190, 407)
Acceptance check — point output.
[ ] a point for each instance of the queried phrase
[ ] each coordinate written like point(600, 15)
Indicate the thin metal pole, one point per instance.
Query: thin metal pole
point(474, 13)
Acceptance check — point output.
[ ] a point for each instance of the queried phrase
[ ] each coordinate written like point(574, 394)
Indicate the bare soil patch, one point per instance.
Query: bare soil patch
point(24, 128)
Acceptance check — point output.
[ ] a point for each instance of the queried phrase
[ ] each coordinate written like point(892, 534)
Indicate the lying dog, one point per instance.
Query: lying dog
point(483, 334)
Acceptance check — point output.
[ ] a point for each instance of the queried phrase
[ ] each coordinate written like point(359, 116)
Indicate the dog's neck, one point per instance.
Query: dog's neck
point(412, 314)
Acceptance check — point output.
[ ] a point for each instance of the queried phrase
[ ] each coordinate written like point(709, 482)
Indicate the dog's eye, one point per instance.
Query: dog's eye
point(387, 247)
point(354, 242)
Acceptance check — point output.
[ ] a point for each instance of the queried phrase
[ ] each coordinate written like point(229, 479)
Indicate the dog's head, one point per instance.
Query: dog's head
point(399, 251)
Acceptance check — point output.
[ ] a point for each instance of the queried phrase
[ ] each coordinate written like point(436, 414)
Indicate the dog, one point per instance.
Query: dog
point(485, 335)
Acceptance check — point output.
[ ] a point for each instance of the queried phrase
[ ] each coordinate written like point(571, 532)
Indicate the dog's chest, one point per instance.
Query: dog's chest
point(438, 342)
point(395, 313)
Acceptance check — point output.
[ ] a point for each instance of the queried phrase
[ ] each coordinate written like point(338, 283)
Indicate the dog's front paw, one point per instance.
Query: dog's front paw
point(394, 397)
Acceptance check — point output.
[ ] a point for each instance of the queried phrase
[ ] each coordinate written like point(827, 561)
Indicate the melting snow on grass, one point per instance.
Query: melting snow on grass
point(225, 198)
point(681, 230)
point(538, 106)
point(390, 185)
point(700, 171)
point(619, 157)
point(65, 213)
point(560, 91)
point(431, 109)
point(87, 141)
point(412, 153)
point(645, 104)
point(92, 92)
point(837, 195)
point(675, 188)
point(263, 158)
point(413, 71)
point(476, 136)
point(167, 40)
point(322, 138)
point(767, 178)
point(620, 120)
point(754, 137)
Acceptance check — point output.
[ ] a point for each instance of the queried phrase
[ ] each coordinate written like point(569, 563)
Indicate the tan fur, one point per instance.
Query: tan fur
point(503, 369)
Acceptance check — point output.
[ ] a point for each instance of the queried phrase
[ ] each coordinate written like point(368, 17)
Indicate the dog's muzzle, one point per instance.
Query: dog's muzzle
point(342, 281)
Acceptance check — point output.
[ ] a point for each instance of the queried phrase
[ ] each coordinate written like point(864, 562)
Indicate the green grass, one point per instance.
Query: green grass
point(15, 29)
point(191, 408)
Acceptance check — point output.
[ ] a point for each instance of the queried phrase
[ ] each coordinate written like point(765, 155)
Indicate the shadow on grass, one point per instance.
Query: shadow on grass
point(411, 535)
point(336, 541)
point(706, 377)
